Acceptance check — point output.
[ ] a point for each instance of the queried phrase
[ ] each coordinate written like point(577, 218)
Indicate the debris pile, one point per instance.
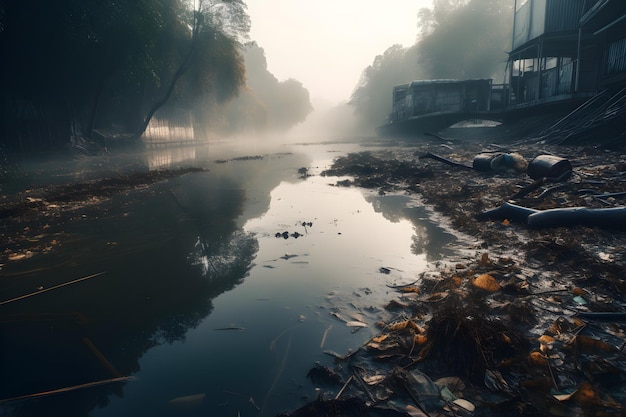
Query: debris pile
point(482, 338)
point(533, 324)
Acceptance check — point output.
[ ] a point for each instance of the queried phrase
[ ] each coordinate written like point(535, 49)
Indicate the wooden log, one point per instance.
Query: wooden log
point(101, 358)
point(50, 289)
point(68, 389)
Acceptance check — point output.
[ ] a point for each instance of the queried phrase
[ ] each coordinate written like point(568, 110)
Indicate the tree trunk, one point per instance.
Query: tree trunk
point(179, 73)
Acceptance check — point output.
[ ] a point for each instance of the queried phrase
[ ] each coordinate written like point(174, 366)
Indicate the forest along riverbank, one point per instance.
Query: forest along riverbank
point(530, 322)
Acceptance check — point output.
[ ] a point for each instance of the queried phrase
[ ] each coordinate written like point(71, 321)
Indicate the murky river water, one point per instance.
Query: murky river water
point(199, 301)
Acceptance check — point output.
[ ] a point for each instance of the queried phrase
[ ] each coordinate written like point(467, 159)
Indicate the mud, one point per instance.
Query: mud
point(28, 217)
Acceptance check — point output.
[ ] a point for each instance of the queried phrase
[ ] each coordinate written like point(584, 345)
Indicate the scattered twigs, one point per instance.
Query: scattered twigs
point(399, 287)
point(50, 289)
point(551, 190)
point(355, 372)
point(554, 383)
point(325, 335)
point(68, 389)
point(445, 160)
point(541, 181)
point(530, 188)
point(344, 387)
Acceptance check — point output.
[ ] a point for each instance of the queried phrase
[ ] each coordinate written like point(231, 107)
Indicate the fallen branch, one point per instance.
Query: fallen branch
point(50, 289)
point(68, 389)
point(445, 160)
point(344, 387)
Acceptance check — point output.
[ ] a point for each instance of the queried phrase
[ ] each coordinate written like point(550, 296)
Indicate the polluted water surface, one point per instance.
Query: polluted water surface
point(254, 273)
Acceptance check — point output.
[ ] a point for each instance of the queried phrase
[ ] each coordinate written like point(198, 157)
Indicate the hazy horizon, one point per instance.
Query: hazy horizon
point(327, 45)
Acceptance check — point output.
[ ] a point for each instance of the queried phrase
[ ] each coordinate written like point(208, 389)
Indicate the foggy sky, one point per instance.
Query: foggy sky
point(326, 44)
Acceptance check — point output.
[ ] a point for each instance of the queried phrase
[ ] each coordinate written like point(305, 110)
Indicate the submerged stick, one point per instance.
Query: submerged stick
point(101, 358)
point(51, 288)
point(344, 387)
point(324, 336)
point(68, 389)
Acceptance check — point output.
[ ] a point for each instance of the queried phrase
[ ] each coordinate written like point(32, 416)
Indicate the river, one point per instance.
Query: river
point(214, 292)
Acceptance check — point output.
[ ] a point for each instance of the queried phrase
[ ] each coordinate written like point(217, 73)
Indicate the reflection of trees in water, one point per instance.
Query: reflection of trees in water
point(151, 295)
point(421, 241)
point(429, 239)
point(231, 257)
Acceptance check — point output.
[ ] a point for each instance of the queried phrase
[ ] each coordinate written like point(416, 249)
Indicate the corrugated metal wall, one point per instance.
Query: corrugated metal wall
point(563, 15)
point(537, 17)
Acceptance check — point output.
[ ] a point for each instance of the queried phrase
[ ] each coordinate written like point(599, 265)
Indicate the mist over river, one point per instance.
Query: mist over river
point(217, 290)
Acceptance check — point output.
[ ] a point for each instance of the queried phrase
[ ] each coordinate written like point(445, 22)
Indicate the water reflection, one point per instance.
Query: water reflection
point(167, 251)
point(428, 238)
point(199, 253)
point(158, 158)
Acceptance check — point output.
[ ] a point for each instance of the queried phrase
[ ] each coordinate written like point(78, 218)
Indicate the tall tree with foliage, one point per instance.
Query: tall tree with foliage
point(93, 64)
point(266, 104)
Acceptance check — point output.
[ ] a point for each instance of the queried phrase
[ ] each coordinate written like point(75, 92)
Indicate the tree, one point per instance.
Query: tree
point(458, 39)
point(266, 104)
point(93, 64)
point(216, 28)
point(371, 98)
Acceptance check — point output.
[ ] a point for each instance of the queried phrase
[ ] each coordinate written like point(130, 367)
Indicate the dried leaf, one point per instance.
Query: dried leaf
point(584, 395)
point(414, 411)
point(466, 405)
point(484, 259)
point(537, 358)
point(380, 338)
point(546, 340)
point(579, 291)
point(16, 256)
point(406, 324)
point(590, 345)
point(356, 324)
point(434, 298)
point(454, 383)
point(374, 379)
point(420, 339)
point(486, 282)
point(410, 289)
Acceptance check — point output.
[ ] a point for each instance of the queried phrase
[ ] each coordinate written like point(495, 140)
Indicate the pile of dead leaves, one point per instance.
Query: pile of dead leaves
point(482, 338)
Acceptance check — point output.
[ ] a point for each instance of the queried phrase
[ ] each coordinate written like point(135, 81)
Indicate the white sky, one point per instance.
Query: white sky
point(326, 44)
